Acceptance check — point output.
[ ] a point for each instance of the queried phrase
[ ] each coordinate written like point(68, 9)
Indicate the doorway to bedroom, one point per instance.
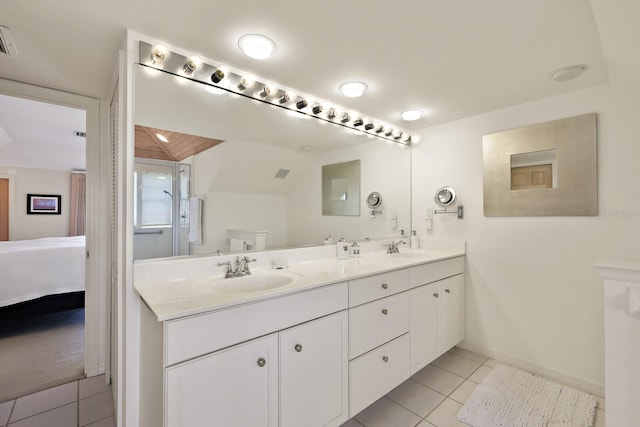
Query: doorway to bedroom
point(43, 257)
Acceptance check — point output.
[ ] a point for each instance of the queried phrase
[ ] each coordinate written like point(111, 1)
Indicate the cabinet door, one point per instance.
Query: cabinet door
point(423, 329)
point(233, 387)
point(314, 373)
point(451, 312)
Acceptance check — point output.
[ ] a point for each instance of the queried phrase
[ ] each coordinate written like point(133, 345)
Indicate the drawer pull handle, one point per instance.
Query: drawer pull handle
point(436, 295)
point(448, 291)
point(261, 362)
point(385, 286)
point(385, 359)
point(298, 348)
point(385, 311)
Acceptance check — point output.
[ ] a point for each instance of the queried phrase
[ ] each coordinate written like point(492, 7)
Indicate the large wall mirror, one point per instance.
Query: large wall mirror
point(547, 169)
point(251, 172)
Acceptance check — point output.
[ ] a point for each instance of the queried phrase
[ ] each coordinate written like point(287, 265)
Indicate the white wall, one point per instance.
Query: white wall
point(37, 181)
point(532, 294)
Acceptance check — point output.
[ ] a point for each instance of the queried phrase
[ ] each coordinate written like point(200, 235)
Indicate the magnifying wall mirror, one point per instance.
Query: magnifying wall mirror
point(446, 197)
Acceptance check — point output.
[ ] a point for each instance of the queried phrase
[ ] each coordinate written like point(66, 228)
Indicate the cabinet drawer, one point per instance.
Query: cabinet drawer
point(378, 286)
point(195, 336)
point(374, 374)
point(427, 273)
point(374, 323)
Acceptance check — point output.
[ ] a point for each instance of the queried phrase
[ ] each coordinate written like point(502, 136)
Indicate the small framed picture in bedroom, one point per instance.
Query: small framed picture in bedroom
point(43, 204)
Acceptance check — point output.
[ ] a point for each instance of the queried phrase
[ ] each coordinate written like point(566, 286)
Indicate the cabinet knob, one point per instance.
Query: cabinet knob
point(261, 362)
point(385, 359)
point(448, 291)
point(436, 295)
point(385, 311)
point(385, 286)
point(298, 348)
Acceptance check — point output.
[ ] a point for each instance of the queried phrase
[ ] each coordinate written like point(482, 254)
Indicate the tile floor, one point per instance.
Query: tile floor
point(86, 402)
point(433, 396)
point(430, 398)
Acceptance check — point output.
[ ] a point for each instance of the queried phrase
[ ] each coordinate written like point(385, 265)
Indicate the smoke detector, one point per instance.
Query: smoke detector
point(7, 45)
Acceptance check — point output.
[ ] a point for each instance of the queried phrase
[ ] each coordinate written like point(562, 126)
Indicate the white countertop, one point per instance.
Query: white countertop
point(187, 294)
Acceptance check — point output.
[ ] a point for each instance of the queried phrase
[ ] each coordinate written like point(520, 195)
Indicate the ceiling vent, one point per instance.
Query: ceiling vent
point(7, 46)
point(282, 173)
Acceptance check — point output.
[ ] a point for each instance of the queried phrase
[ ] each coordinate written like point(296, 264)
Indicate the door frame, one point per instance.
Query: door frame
point(96, 304)
point(11, 205)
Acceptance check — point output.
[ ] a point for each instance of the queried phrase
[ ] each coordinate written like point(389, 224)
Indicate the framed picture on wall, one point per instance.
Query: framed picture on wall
point(43, 204)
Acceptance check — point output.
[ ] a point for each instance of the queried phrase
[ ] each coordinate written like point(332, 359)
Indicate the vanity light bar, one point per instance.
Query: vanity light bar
point(193, 68)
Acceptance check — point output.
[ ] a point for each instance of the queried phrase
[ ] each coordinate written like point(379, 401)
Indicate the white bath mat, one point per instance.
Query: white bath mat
point(508, 397)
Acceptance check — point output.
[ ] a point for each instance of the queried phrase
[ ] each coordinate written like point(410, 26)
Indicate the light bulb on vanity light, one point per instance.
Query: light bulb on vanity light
point(317, 109)
point(302, 103)
point(219, 74)
point(246, 82)
point(158, 53)
point(268, 90)
point(193, 64)
point(287, 96)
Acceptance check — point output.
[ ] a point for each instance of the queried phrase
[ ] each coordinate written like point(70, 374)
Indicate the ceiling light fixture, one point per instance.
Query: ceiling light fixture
point(568, 73)
point(345, 118)
point(411, 115)
point(162, 138)
point(332, 113)
point(256, 46)
point(353, 89)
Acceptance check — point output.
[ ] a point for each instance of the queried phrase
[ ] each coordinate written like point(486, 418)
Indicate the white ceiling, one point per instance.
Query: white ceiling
point(452, 58)
point(39, 135)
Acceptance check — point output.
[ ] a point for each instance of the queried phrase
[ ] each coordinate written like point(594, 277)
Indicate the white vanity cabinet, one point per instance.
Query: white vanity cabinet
point(313, 373)
point(378, 339)
point(437, 310)
point(294, 375)
point(309, 358)
point(232, 387)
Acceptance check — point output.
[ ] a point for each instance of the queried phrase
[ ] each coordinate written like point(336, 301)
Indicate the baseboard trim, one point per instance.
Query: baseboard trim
point(556, 375)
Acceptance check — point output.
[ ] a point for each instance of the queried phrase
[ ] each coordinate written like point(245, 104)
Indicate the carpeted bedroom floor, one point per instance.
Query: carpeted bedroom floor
point(39, 352)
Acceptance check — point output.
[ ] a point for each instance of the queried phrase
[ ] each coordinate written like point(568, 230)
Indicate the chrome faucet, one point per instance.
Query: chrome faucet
point(238, 267)
point(393, 246)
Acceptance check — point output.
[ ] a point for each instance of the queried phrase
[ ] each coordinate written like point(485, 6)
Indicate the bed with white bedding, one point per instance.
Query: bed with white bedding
point(31, 269)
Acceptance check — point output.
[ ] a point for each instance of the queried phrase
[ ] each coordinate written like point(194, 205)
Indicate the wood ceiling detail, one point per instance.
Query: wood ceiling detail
point(179, 147)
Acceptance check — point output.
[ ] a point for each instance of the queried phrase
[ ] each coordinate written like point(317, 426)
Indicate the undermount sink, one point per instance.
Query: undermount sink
point(251, 283)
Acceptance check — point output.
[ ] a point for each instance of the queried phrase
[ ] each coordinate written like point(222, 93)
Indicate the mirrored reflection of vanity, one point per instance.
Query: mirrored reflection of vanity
point(264, 174)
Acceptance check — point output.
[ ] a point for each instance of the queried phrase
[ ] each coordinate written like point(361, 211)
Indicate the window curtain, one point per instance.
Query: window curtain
point(77, 200)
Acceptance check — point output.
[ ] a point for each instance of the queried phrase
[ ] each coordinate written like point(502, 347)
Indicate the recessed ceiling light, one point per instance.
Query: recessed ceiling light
point(411, 115)
point(256, 46)
point(568, 73)
point(162, 138)
point(353, 89)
